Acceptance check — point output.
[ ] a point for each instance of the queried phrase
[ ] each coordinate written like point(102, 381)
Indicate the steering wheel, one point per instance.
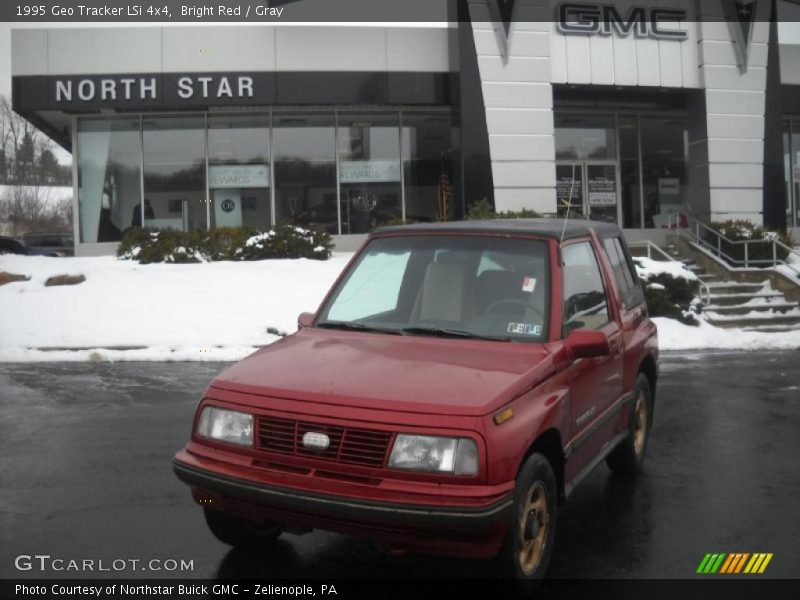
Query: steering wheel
point(515, 302)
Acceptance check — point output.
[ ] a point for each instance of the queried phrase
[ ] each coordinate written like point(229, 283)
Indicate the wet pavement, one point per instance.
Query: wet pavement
point(85, 472)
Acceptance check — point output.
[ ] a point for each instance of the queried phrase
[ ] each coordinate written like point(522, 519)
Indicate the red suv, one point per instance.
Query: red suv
point(456, 384)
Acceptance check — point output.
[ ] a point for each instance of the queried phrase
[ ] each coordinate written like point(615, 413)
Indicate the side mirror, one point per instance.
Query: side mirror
point(587, 343)
point(305, 319)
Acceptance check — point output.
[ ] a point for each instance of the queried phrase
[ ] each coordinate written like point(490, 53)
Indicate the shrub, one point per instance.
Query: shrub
point(288, 241)
point(225, 243)
point(482, 210)
point(671, 297)
point(743, 229)
point(167, 245)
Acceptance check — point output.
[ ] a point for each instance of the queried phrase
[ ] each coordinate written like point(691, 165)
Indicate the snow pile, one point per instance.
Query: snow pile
point(673, 335)
point(647, 268)
point(205, 311)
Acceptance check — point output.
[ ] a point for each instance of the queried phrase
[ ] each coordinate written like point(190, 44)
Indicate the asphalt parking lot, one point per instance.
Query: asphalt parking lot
point(85, 471)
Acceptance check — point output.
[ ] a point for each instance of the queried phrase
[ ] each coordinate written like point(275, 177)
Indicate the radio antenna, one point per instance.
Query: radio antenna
point(569, 204)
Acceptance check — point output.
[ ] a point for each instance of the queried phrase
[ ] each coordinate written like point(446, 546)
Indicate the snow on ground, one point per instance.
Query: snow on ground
point(674, 335)
point(217, 311)
point(206, 311)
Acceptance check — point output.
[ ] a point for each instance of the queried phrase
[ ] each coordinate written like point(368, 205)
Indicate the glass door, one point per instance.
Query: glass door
point(601, 191)
point(569, 188)
point(588, 188)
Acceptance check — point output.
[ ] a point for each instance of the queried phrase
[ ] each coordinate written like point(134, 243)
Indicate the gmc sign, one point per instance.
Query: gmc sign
point(605, 19)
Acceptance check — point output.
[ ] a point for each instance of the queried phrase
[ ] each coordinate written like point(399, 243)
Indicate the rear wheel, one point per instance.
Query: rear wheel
point(241, 533)
point(532, 531)
point(628, 457)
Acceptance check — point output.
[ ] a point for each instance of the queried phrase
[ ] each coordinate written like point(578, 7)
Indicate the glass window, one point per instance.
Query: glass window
point(585, 137)
point(450, 286)
point(174, 172)
point(305, 169)
point(788, 172)
point(793, 200)
point(374, 287)
point(630, 188)
point(369, 170)
point(585, 304)
point(664, 156)
point(239, 171)
point(109, 183)
point(624, 273)
point(428, 167)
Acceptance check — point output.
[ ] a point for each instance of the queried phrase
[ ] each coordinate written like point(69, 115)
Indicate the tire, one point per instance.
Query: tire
point(241, 533)
point(532, 530)
point(628, 457)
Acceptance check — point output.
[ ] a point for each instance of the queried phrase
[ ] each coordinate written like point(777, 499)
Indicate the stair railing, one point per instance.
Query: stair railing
point(713, 242)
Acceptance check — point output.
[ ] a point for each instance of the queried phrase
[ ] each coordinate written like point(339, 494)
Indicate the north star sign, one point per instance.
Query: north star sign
point(606, 19)
point(146, 88)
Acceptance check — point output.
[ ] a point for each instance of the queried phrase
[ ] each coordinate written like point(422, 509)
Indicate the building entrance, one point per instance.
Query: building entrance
point(589, 188)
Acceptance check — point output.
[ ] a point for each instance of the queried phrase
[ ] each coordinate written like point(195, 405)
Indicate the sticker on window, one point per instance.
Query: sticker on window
point(529, 284)
point(525, 328)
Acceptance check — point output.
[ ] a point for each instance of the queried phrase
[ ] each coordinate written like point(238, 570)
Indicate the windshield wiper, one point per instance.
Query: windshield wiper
point(351, 326)
point(446, 332)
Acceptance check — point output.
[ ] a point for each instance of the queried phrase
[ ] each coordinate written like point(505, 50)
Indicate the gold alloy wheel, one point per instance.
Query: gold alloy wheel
point(533, 526)
point(640, 423)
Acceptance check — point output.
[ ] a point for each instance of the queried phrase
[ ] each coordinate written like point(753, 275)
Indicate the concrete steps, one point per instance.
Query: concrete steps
point(751, 306)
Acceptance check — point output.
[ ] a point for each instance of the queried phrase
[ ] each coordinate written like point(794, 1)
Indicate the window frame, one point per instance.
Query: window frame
point(610, 314)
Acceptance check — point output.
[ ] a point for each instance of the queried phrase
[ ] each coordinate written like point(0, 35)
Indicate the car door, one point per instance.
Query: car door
point(596, 384)
point(632, 308)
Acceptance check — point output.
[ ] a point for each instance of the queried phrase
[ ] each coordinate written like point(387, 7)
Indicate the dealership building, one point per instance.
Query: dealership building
point(625, 115)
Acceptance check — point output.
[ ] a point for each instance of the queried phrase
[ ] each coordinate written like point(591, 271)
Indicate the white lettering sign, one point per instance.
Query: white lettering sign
point(364, 171)
point(238, 176)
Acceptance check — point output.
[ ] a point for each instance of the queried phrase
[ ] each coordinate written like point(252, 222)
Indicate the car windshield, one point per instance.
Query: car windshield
point(486, 287)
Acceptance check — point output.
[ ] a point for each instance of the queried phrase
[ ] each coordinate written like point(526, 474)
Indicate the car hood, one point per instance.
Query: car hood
point(390, 372)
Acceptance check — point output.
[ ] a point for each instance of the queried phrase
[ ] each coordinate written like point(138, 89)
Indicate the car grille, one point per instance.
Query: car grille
point(365, 447)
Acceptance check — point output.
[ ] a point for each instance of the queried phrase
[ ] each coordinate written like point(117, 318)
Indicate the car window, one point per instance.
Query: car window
point(373, 287)
point(585, 302)
point(626, 278)
point(470, 286)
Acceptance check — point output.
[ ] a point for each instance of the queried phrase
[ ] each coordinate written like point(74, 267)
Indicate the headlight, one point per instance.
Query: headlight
point(438, 454)
point(226, 426)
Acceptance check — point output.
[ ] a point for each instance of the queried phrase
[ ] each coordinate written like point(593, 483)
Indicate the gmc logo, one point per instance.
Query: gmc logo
point(605, 19)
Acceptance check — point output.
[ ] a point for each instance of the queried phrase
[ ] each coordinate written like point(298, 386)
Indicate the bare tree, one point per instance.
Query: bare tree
point(22, 148)
point(35, 209)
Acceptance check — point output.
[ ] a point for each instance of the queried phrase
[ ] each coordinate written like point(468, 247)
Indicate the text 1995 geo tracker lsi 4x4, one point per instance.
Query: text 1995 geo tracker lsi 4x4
point(456, 384)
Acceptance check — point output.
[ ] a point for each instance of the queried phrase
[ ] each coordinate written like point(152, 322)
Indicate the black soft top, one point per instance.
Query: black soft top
point(551, 228)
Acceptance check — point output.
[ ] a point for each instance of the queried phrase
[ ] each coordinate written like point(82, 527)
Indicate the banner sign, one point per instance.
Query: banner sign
point(602, 190)
point(366, 171)
point(669, 186)
point(238, 176)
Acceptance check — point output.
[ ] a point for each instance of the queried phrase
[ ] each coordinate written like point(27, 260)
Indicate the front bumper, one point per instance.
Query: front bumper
point(454, 530)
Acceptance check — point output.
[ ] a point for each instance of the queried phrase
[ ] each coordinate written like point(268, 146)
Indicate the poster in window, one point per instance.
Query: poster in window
point(669, 186)
point(602, 190)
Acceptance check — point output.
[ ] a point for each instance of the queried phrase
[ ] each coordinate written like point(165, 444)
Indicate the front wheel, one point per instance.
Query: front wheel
point(241, 533)
point(628, 457)
point(532, 531)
